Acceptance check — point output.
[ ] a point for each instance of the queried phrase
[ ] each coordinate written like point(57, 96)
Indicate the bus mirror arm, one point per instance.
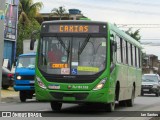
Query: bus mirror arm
point(33, 39)
point(32, 44)
point(114, 46)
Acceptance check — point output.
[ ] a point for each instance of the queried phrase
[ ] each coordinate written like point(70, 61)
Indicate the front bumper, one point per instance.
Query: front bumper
point(99, 96)
point(23, 85)
point(149, 90)
point(19, 88)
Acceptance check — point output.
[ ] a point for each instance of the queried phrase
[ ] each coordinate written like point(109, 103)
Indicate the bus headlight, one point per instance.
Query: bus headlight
point(19, 77)
point(100, 85)
point(40, 83)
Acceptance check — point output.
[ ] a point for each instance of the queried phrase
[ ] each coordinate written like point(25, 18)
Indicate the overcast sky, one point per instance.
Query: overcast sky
point(119, 12)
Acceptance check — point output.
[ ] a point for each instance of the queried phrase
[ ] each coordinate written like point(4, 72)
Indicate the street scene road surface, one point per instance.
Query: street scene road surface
point(148, 103)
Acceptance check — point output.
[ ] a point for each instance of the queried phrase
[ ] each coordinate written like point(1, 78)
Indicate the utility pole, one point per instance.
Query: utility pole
point(2, 17)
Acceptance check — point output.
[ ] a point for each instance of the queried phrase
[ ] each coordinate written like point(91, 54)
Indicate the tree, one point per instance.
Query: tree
point(28, 10)
point(24, 32)
point(134, 34)
point(61, 11)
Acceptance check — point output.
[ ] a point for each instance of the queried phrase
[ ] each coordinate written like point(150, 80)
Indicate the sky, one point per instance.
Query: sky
point(138, 14)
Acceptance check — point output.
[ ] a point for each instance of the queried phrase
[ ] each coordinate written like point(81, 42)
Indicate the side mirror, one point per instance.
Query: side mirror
point(32, 44)
point(114, 45)
point(33, 39)
point(15, 61)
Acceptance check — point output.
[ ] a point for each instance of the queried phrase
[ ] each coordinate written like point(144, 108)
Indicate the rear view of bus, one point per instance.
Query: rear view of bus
point(74, 64)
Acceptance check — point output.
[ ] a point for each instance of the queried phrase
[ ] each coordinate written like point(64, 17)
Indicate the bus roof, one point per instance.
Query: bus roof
point(27, 54)
point(73, 21)
point(124, 35)
point(111, 26)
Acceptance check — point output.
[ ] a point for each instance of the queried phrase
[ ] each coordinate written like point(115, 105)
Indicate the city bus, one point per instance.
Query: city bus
point(86, 62)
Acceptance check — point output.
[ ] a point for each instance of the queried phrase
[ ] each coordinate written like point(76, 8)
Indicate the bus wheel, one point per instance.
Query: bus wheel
point(130, 102)
point(56, 106)
point(110, 107)
point(122, 103)
point(22, 95)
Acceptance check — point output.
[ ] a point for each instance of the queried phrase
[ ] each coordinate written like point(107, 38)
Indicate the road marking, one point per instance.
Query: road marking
point(45, 110)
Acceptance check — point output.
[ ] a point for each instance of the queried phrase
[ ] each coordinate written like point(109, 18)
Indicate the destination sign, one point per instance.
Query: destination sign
point(59, 65)
point(74, 28)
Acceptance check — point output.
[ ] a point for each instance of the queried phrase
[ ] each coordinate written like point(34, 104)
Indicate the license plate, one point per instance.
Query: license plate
point(56, 87)
point(31, 81)
point(145, 89)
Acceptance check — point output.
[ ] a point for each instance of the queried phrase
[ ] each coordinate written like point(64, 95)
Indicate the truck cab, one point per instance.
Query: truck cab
point(24, 76)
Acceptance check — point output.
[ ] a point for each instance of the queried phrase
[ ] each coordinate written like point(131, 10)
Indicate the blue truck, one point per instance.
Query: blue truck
point(24, 76)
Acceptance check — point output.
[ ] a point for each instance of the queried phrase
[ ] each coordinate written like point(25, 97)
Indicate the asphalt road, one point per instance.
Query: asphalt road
point(148, 103)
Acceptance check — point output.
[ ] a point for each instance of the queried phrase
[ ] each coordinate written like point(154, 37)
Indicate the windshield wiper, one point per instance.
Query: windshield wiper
point(63, 45)
point(83, 45)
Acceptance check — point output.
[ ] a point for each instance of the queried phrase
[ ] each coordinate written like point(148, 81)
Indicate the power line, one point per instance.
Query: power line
point(137, 3)
point(138, 25)
point(102, 8)
point(150, 39)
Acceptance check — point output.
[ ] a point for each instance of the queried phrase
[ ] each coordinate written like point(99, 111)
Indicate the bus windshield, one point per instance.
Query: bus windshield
point(26, 62)
point(72, 55)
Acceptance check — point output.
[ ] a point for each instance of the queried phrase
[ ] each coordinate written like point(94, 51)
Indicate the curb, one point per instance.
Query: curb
point(10, 99)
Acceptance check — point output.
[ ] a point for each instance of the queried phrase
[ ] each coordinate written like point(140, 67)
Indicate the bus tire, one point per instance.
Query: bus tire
point(110, 107)
point(22, 95)
point(122, 103)
point(130, 102)
point(56, 106)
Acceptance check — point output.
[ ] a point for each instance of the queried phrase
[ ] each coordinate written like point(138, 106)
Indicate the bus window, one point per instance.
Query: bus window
point(129, 53)
point(118, 50)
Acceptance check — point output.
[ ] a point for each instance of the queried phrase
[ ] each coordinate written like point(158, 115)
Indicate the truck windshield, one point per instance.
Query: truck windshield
point(72, 55)
point(26, 62)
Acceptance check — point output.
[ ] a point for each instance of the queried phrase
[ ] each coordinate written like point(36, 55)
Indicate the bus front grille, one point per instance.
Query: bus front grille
point(77, 96)
point(60, 79)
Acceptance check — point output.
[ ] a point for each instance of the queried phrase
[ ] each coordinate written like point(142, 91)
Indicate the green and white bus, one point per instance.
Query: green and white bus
point(86, 62)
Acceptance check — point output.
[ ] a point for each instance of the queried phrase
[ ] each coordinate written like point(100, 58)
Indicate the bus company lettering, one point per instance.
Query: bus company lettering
point(73, 28)
point(78, 87)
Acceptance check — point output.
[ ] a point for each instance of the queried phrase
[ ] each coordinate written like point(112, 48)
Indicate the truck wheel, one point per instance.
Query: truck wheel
point(157, 94)
point(130, 102)
point(142, 94)
point(56, 106)
point(22, 95)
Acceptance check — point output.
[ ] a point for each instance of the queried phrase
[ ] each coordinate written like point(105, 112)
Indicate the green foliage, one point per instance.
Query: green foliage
point(61, 11)
point(28, 11)
point(24, 32)
point(134, 34)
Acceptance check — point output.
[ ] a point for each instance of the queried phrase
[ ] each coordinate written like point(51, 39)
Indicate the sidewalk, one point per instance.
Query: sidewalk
point(9, 95)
